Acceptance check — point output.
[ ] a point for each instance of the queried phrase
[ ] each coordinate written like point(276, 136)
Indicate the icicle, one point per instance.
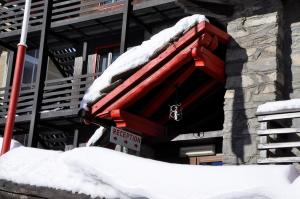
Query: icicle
point(96, 136)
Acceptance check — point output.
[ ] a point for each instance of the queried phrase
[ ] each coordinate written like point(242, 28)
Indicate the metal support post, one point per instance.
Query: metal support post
point(11, 114)
point(84, 58)
point(41, 75)
point(126, 21)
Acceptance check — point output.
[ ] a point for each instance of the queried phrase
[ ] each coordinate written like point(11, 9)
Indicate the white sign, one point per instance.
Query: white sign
point(125, 139)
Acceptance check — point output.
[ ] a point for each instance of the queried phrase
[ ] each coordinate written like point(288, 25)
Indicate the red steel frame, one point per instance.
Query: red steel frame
point(192, 51)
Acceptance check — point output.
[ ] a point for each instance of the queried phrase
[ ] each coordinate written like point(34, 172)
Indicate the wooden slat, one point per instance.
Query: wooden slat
point(18, 20)
point(20, 110)
point(61, 113)
point(61, 3)
point(63, 92)
point(21, 12)
point(278, 131)
point(20, 104)
point(59, 11)
point(62, 105)
point(278, 116)
point(278, 160)
point(47, 88)
point(58, 99)
point(83, 10)
point(78, 6)
point(205, 159)
point(20, 118)
point(15, 2)
point(20, 24)
point(72, 78)
point(20, 99)
point(278, 145)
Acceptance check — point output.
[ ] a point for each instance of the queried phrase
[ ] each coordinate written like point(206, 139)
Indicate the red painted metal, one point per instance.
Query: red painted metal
point(222, 36)
point(171, 68)
point(213, 66)
point(136, 123)
point(9, 126)
point(164, 93)
point(149, 68)
point(154, 80)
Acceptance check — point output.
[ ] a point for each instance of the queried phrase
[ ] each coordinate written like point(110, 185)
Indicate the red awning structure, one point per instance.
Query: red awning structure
point(141, 103)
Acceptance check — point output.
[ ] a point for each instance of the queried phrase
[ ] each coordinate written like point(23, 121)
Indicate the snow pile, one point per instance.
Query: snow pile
point(279, 105)
point(106, 173)
point(13, 144)
point(138, 56)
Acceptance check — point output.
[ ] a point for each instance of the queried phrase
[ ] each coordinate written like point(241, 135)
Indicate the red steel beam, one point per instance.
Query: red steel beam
point(154, 80)
point(213, 66)
point(164, 93)
point(222, 36)
point(149, 68)
point(136, 123)
point(157, 62)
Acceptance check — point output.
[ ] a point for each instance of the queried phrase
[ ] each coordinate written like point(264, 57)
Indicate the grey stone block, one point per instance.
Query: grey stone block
point(234, 160)
point(244, 148)
point(265, 97)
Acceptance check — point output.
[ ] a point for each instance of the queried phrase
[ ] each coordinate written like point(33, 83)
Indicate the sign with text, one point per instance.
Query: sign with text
point(125, 139)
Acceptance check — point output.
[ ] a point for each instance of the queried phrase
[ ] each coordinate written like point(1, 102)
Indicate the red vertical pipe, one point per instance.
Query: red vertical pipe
point(8, 131)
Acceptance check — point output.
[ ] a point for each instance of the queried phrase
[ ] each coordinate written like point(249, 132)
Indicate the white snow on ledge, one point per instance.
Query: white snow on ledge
point(106, 173)
point(278, 106)
point(138, 56)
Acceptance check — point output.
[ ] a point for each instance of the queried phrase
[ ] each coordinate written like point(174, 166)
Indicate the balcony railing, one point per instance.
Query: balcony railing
point(11, 14)
point(279, 143)
point(61, 98)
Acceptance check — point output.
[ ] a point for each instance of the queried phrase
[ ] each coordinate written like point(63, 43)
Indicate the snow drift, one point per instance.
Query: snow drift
point(106, 173)
point(279, 105)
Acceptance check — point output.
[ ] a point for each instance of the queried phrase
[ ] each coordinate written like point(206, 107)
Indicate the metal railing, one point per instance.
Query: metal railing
point(11, 14)
point(278, 142)
point(59, 95)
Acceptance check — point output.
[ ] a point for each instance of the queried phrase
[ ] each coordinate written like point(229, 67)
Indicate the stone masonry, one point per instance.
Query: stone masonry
point(294, 24)
point(254, 76)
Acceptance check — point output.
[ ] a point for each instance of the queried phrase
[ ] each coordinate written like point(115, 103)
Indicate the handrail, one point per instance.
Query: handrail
point(11, 13)
point(59, 95)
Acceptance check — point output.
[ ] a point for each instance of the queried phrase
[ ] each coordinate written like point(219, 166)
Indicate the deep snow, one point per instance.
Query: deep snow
point(106, 173)
point(279, 105)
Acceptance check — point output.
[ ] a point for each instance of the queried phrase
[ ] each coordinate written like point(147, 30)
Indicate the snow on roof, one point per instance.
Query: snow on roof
point(138, 56)
point(106, 173)
point(278, 106)
point(13, 144)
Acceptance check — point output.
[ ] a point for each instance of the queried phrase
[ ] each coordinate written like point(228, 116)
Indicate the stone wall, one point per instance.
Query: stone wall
point(254, 76)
